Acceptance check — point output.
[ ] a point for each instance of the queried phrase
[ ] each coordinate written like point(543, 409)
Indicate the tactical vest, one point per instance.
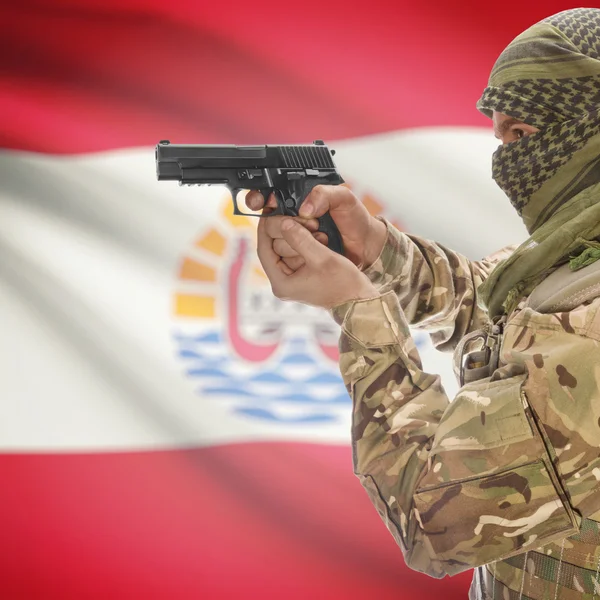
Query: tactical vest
point(566, 570)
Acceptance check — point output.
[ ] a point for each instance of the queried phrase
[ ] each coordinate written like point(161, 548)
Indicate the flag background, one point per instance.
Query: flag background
point(130, 469)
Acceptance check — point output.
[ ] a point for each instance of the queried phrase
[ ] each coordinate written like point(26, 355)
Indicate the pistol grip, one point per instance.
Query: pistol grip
point(334, 239)
point(326, 223)
point(290, 203)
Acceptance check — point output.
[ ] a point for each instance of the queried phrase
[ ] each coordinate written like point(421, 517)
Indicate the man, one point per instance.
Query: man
point(505, 477)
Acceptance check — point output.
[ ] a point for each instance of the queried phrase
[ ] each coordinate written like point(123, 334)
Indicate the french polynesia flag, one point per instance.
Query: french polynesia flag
point(168, 429)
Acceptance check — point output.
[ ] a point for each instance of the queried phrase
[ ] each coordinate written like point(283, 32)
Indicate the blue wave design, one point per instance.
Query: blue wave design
point(306, 399)
point(298, 359)
point(325, 378)
point(267, 415)
point(214, 338)
point(201, 365)
point(207, 372)
point(210, 338)
point(269, 378)
point(341, 399)
point(227, 391)
point(189, 354)
point(214, 362)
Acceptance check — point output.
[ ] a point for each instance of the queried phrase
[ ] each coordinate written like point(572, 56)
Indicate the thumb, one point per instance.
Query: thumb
point(327, 198)
point(302, 241)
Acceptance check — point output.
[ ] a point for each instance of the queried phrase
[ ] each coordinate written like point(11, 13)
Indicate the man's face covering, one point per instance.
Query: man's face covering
point(549, 78)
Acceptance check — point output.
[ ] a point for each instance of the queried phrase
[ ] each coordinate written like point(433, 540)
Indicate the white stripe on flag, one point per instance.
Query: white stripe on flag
point(108, 344)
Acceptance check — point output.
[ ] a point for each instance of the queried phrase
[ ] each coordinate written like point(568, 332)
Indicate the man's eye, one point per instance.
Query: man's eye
point(519, 133)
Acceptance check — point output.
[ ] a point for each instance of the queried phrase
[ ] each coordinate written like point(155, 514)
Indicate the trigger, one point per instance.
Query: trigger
point(280, 209)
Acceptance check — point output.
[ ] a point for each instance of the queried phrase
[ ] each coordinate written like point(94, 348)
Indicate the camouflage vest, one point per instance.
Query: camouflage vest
point(565, 570)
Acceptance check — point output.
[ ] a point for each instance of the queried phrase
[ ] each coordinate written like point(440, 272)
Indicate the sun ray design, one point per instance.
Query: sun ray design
point(191, 305)
point(374, 207)
point(193, 270)
point(212, 241)
point(259, 273)
point(203, 304)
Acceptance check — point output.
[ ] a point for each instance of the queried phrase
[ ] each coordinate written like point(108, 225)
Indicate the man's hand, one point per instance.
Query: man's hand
point(325, 278)
point(362, 234)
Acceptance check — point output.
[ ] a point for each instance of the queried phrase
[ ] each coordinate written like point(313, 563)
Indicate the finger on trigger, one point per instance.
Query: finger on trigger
point(267, 210)
point(272, 201)
point(254, 200)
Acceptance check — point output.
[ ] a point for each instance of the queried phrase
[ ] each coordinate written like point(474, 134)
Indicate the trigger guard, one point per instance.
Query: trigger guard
point(234, 194)
point(280, 210)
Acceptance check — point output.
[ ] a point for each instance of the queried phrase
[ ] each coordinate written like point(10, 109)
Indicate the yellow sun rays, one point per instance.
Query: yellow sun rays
point(213, 243)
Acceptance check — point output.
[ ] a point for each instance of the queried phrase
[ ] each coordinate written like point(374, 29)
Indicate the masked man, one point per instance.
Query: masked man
point(504, 478)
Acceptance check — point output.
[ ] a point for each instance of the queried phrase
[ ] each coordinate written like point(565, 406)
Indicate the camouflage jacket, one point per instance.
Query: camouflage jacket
point(513, 461)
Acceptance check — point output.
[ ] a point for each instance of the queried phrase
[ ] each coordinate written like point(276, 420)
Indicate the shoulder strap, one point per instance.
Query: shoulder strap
point(563, 290)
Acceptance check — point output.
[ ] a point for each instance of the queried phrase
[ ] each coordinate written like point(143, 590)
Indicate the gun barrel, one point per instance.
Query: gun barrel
point(173, 159)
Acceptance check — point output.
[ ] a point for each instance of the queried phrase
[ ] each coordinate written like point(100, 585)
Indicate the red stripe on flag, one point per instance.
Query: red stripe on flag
point(78, 77)
point(265, 521)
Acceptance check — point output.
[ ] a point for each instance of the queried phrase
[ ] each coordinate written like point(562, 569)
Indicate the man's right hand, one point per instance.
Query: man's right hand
point(363, 235)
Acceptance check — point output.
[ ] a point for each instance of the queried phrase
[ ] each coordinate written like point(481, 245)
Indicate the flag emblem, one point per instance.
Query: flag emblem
point(268, 359)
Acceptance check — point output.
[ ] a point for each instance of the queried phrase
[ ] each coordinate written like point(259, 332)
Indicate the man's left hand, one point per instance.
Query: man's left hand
point(326, 278)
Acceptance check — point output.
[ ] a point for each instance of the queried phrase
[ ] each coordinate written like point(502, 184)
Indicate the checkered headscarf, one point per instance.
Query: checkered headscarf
point(549, 77)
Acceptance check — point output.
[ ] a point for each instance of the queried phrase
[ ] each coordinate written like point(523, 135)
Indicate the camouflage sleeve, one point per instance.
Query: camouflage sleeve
point(463, 483)
point(436, 287)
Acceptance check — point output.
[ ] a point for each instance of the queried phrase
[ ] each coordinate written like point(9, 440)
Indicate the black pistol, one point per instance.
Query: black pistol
point(289, 172)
